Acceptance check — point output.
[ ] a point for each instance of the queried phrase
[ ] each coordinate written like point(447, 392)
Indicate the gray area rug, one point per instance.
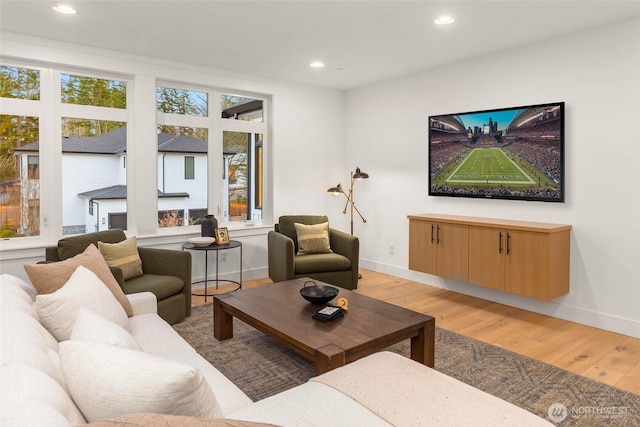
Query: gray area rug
point(261, 367)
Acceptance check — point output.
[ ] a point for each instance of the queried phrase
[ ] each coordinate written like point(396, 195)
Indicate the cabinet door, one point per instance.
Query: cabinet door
point(453, 251)
point(527, 264)
point(487, 257)
point(422, 246)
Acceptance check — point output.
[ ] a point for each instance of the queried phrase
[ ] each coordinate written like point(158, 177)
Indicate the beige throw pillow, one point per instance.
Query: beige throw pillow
point(313, 239)
point(48, 278)
point(123, 255)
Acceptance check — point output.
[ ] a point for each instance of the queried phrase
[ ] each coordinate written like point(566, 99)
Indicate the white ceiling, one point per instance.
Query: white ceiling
point(360, 42)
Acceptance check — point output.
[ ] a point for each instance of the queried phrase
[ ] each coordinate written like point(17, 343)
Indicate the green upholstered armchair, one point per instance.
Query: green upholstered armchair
point(339, 268)
point(166, 273)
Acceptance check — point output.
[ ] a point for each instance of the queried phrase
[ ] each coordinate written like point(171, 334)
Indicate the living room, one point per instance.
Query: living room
point(320, 134)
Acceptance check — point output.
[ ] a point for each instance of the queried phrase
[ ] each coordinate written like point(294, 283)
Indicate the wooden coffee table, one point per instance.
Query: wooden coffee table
point(369, 325)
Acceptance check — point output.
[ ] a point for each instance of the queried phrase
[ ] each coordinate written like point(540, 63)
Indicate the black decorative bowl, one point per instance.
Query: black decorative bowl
point(318, 294)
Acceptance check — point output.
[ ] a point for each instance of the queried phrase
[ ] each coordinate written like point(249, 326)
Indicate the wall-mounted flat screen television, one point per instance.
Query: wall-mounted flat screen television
point(506, 153)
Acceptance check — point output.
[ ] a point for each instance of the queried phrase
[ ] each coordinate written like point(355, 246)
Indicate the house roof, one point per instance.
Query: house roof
point(115, 142)
point(120, 192)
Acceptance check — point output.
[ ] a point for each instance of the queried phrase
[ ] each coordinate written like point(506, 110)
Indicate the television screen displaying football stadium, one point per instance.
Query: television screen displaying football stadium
point(507, 153)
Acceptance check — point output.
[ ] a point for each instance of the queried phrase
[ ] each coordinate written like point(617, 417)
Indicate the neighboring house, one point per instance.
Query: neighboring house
point(94, 179)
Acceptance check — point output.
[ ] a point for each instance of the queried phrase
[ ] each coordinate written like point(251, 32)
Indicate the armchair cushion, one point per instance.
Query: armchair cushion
point(160, 285)
point(318, 263)
point(313, 239)
point(124, 255)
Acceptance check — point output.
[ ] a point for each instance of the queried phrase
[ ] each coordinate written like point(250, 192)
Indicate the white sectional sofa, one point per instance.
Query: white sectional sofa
point(97, 375)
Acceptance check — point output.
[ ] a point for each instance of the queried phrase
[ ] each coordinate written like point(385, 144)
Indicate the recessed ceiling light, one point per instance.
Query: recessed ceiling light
point(444, 20)
point(66, 9)
point(316, 64)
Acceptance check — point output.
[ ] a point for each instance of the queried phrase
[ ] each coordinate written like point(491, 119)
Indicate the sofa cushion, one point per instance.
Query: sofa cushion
point(48, 278)
point(313, 239)
point(123, 255)
point(161, 286)
point(107, 381)
point(58, 310)
point(90, 326)
point(318, 263)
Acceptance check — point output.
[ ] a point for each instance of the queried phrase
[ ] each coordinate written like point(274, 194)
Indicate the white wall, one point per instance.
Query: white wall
point(596, 74)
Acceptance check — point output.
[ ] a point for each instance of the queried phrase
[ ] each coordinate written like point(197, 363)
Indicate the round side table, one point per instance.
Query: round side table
point(233, 244)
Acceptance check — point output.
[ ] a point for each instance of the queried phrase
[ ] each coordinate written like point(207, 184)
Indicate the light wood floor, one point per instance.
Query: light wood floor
point(607, 357)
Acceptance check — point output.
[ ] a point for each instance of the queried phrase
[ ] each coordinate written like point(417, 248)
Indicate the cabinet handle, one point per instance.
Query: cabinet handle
point(431, 233)
point(508, 243)
point(438, 234)
point(500, 243)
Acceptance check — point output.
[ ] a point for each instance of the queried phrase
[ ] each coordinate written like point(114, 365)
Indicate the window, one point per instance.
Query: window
point(20, 83)
point(189, 167)
point(183, 137)
point(82, 90)
point(182, 101)
point(93, 145)
point(173, 218)
point(244, 172)
point(92, 148)
point(19, 153)
point(66, 146)
point(241, 108)
point(243, 143)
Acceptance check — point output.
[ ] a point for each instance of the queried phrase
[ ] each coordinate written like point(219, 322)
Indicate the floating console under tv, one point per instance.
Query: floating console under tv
point(530, 259)
point(507, 153)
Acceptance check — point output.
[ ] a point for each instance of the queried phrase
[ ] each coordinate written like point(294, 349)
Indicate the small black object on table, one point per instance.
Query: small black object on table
point(216, 248)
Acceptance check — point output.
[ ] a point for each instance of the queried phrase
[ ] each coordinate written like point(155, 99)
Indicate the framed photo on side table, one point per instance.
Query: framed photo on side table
point(222, 236)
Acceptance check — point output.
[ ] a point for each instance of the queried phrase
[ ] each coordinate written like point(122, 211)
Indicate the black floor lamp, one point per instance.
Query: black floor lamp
point(337, 190)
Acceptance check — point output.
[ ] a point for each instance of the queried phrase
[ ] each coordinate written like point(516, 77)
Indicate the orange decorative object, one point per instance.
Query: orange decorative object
point(342, 302)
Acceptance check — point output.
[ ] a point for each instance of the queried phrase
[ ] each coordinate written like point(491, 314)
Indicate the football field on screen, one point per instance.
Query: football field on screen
point(488, 166)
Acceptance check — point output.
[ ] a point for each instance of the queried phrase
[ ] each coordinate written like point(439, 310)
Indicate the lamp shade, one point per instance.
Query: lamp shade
point(360, 175)
point(336, 190)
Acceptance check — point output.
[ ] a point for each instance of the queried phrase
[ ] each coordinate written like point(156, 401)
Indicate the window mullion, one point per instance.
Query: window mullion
point(50, 148)
point(216, 158)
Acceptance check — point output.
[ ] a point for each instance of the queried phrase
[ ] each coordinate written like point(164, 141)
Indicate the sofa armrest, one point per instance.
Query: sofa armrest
point(169, 262)
point(347, 245)
point(280, 251)
point(143, 303)
point(51, 254)
point(118, 273)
